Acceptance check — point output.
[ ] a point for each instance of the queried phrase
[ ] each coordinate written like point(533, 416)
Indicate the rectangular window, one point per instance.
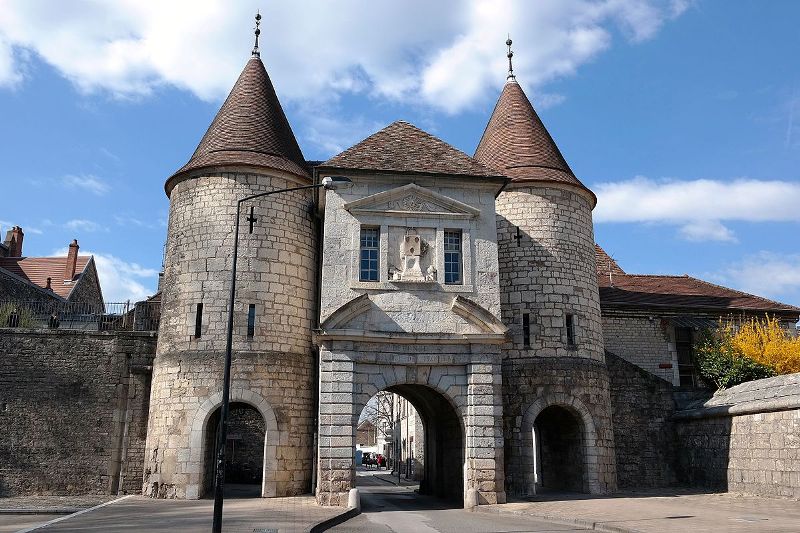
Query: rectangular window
point(370, 240)
point(683, 345)
point(526, 329)
point(570, 321)
point(198, 321)
point(452, 257)
point(251, 321)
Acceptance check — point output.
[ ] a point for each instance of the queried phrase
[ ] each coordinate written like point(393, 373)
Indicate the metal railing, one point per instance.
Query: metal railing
point(110, 316)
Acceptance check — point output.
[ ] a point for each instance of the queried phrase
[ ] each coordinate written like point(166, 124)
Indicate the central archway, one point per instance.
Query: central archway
point(440, 458)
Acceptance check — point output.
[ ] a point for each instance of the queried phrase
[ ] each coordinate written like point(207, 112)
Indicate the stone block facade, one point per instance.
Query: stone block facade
point(73, 411)
point(457, 394)
point(581, 388)
point(273, 369)
point(547, 271)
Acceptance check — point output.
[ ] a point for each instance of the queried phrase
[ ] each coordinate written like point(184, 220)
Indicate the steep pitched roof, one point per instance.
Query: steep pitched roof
point(605, 262)
point(402, 147)
point(36, 270)
point(249, 129)
point(517, 144)
point(682, 292)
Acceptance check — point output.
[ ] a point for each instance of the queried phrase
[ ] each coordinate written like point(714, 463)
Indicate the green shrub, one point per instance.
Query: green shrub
point(722, 364)
point(26, 318)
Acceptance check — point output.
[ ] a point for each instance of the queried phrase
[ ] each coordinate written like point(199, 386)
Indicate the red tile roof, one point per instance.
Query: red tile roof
point(680, 292)
point(249, 129)
point(402, 147)
point(517, 144)
point(605, 262)
point(36, 270)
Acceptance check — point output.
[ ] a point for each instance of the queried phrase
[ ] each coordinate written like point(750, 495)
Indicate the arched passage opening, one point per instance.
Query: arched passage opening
point(559, 462)
point(426, 445)
point(244, 451)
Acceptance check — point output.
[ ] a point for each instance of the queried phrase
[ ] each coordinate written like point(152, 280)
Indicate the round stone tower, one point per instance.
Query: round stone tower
point(248, 149)
point(557, 417)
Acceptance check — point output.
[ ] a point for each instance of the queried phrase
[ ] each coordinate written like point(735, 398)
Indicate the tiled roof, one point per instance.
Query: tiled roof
point(680, 292)
point(249, 129)
point(517, 144)
point(605, 262)
point(402, 147)
point(37, 269)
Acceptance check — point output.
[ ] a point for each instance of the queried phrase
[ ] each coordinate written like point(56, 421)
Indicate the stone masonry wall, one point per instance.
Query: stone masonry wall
point(87, 289)
point(580, 386)
point(745, 439)
point(645, 341)
point(548, 272)
point(642, 408)
point(65, 397)
point(273, 370)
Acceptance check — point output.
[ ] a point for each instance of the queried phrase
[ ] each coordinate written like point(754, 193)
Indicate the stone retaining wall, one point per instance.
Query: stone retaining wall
point(73, 411)
point(745, 439)
point(642, 408)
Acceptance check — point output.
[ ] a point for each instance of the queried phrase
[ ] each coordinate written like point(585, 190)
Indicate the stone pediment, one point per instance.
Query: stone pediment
point(412, 200)
point(344, 324)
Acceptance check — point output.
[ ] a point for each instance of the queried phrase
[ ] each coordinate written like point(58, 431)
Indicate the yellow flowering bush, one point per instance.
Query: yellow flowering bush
point(766, 342)
point(736, 352)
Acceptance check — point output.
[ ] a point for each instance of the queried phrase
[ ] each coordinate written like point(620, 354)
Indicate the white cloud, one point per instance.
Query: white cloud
point(707, 230)
point(81, 224)
point(88, 182)
point(698, 206)
point(120, 280)
point(766, 273)
point(448, 54)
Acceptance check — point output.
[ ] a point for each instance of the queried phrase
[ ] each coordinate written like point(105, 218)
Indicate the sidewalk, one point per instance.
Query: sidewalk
point(137, 513)
point(662, 512)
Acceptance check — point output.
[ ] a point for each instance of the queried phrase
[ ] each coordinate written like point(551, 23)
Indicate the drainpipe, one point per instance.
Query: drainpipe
point(317, 305)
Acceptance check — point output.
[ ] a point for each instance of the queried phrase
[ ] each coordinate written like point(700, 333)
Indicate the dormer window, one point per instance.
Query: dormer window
point(370, 239)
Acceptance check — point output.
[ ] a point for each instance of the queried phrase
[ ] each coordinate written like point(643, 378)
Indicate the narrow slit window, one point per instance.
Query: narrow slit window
point(526, 329)
point(570, 330)
point(368, 269)
point(452, 257)
point(251, 321)
point(198, 321)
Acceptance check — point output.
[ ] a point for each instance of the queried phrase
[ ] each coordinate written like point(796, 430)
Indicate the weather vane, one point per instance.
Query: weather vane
point(510, 54)
point(256, 53)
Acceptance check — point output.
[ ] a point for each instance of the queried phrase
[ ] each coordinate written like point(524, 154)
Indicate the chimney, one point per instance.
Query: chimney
point(14, 238)
point(49, 286)
point(72, 260)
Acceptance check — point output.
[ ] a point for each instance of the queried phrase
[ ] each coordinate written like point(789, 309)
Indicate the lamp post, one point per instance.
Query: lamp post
point(328, 182)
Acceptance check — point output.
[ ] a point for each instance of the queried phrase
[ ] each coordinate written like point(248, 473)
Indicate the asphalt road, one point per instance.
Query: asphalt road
point(388, 508)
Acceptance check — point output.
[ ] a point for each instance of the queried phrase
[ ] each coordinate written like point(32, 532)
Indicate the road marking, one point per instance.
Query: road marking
point(55, 520)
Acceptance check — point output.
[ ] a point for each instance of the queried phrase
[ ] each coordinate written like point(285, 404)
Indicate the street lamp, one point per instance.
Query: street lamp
point(328, 182)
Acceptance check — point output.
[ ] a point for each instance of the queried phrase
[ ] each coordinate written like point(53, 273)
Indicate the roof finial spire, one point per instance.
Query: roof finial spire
point(256, 53)
point(510, 54)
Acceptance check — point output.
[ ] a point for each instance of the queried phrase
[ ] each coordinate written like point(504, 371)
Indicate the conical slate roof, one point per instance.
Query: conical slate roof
point(403, 147)
point(517, 144)
point(249, 129)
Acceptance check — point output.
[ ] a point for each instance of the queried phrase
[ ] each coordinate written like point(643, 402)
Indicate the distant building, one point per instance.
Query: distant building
point(71, 278)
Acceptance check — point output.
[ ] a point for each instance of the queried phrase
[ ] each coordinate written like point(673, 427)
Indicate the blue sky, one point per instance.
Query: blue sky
point(684, 117)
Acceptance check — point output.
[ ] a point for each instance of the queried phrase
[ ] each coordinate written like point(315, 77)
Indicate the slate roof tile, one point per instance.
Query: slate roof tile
point(517, 144)
point(403, 147)
point(249, 129)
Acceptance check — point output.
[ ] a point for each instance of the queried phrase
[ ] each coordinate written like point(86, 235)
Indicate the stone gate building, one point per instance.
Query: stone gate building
point(465, 284)
point(471, 286)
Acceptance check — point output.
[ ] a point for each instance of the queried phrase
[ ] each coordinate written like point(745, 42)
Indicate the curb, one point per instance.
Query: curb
point(49, 510)
point(334, 521)
point(588, 524)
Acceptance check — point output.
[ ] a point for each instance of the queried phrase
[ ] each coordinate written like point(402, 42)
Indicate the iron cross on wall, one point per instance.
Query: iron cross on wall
point(251, 219)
